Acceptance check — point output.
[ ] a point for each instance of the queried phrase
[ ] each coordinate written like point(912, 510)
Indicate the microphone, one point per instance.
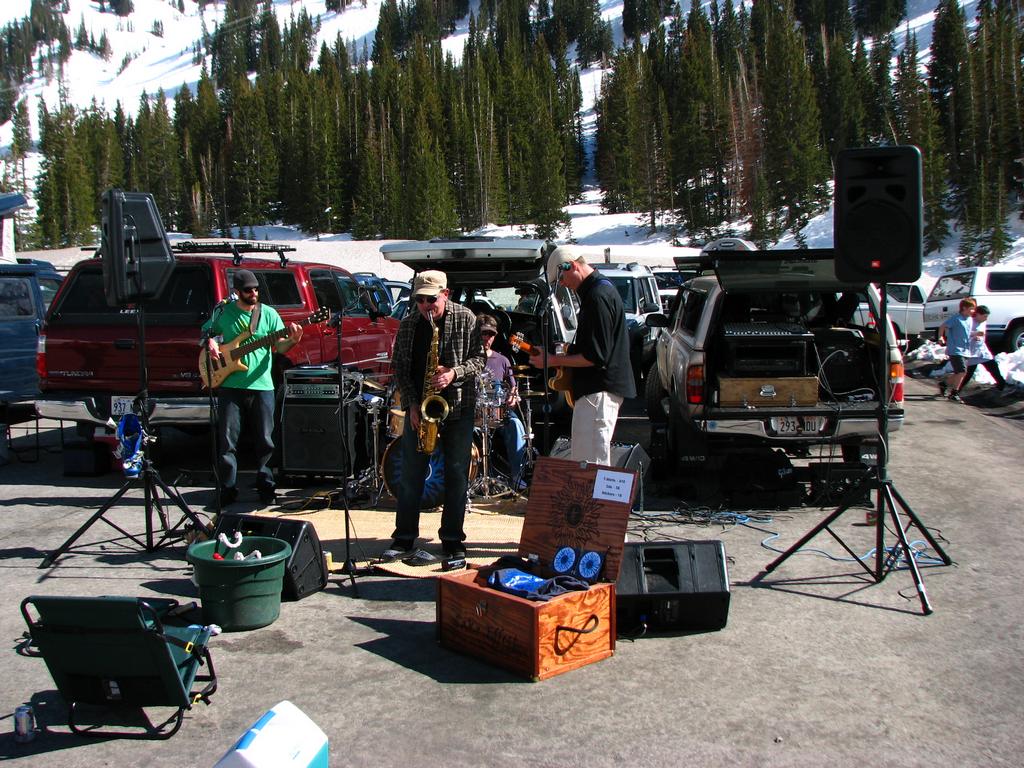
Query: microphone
point(230, 299)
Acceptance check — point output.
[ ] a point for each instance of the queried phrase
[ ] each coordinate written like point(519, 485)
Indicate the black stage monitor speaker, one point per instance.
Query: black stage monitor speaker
point(877, 229)
point(306, 570)
point(626, 455)
point(137, 257)
point(672, 585)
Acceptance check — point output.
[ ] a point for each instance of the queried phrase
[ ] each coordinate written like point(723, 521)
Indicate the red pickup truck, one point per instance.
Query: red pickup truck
point(88, 358)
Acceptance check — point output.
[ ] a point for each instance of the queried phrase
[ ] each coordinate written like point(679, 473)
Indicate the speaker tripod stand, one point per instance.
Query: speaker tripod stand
point(152, 484)
point(887, 498)
point(148, 475)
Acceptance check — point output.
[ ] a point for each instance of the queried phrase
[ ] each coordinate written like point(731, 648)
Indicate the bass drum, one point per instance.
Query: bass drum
point(433, 486)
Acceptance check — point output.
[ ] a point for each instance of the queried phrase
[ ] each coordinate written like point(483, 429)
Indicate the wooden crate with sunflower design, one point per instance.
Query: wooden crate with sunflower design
point(575, 523)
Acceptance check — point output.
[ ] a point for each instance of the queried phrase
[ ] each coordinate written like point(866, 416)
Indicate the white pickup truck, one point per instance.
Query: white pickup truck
point(905, 308)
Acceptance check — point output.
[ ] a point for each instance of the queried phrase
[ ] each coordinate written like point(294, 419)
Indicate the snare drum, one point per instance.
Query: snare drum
point(490, 402)
point(488, 415)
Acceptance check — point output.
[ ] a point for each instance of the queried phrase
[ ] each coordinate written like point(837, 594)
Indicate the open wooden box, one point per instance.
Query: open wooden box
point(586, 507)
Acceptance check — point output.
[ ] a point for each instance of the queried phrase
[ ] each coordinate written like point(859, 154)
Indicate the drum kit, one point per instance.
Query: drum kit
point(382, 409)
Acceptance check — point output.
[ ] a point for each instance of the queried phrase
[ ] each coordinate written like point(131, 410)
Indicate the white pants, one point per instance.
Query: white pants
point(593, 423)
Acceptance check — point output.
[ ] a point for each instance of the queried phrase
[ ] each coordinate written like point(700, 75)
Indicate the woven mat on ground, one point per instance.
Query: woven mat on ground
point(493, 529)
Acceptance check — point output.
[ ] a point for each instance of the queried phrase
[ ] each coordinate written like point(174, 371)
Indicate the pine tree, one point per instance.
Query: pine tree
point(21, 145)
point(63, 196)
point(253, 161)
point(429, 210)
point(547, 184)
point(793, 158)
point(950, 86)
point(917, 124)
point(842, 110)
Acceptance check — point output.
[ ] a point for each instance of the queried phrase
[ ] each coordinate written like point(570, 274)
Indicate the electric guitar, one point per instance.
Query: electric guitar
point(560, 382)
point(213, 370)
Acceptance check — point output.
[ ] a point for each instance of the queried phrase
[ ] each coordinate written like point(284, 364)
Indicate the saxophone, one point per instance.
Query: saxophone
point(434, 408)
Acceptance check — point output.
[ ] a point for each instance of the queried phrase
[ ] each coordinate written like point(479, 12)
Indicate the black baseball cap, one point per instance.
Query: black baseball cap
point(244, 279)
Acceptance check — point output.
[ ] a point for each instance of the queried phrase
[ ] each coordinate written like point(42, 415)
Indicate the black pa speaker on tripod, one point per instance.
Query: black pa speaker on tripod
point(137, 257)
point(877, 228)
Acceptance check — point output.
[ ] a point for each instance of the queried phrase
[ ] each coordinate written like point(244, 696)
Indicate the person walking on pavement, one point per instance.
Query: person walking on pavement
point(955, 333)
point(980, 354)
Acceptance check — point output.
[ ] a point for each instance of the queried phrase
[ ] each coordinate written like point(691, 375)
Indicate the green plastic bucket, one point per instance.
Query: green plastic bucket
point(240, 594)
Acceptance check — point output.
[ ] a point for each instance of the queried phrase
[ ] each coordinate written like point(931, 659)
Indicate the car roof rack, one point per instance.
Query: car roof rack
point(235, 247)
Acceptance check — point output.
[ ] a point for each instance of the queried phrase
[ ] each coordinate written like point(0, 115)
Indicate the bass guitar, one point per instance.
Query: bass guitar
point(214, 369)
point(560, 382)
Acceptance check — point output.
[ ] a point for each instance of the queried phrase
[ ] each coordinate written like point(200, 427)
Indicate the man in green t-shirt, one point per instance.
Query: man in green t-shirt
point(247, 394)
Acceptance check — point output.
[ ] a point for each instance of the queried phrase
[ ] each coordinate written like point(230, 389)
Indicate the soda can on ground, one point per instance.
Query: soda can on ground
point(24, 724)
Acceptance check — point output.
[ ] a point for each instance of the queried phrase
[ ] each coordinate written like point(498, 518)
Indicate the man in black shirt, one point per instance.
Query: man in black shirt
point(598, 359)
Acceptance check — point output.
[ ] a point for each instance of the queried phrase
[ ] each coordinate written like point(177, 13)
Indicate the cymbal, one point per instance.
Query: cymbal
point(371, 384)
point(523, 367)
point(531, 393)
point(524, 376)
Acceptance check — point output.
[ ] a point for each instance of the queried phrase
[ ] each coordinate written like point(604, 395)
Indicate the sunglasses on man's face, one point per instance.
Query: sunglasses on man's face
point(485, 334)
point(254, 289)
point(426, 299)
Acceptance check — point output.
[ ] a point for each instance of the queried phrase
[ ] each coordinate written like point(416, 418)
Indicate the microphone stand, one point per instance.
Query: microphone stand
point(545, 336)
point(349, 568)
point(214, 411)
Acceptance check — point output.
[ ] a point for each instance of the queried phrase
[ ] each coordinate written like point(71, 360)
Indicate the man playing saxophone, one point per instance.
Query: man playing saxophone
point(437, 358)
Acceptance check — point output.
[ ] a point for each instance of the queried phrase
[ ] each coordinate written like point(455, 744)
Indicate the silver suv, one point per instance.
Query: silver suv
point(767, 353)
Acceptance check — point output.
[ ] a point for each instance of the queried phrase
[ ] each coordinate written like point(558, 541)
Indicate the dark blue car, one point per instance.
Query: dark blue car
point(26, 289)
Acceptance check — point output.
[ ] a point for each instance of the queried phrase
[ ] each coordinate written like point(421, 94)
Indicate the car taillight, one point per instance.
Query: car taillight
point(896, 381)
point(695, 384)
point(41, 357)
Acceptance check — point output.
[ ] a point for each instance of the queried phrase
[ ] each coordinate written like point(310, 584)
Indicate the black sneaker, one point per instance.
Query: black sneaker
point(399, 550)
point(267, 494)
point(228, 496)
point(943, 387)
point(453, 550)
point(955, 397)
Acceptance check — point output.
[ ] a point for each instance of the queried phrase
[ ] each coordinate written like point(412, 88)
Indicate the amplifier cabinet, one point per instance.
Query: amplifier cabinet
point(311, 438)
point(674, 585)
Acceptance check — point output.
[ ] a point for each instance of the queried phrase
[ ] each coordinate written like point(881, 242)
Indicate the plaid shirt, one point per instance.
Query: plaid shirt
point(460, 348)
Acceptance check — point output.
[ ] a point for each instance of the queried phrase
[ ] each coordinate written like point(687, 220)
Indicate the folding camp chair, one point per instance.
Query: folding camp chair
point(118, 652)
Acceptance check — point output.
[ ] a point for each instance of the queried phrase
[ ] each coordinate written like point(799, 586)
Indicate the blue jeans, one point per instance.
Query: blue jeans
point(256, 406)
point(456, 439)
point(513, 433)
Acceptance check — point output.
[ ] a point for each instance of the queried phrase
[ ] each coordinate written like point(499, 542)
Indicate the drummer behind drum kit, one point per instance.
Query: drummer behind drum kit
point(378, 416)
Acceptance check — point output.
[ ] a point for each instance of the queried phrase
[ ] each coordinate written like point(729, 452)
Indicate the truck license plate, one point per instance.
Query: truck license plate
point(120, 405)
point(797, 425)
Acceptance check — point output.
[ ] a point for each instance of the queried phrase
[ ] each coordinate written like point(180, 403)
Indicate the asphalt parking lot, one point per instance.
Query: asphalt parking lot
point(817, 664)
